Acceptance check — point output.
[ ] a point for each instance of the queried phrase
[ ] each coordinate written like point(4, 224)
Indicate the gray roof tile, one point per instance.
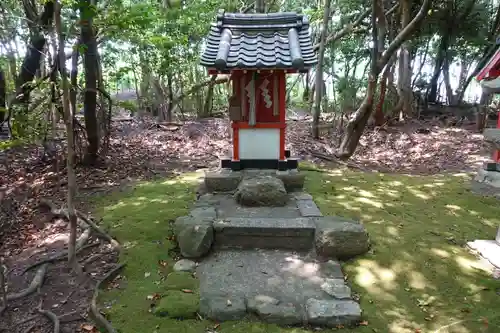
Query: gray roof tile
point(276, 40)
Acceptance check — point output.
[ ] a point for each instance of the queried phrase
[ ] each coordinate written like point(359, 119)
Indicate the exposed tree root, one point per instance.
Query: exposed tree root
point(94, 257)
point(82, 220)
point(2, 287)
point(34, 285)
point(80, 245)
point(336, 160)
point(24, 321)
point(114, 243)
point(52, 316)
point(29, 329)
point(94, 310)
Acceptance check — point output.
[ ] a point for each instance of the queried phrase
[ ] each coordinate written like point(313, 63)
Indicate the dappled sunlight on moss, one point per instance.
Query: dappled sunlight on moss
point(418, 276)
point(418, 226)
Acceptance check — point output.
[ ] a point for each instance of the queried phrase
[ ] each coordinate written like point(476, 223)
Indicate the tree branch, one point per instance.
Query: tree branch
point(198, 87)
point(345, 30)
point(403, 35)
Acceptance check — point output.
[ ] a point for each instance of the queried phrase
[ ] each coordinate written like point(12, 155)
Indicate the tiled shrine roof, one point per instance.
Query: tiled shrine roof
point(259, 41)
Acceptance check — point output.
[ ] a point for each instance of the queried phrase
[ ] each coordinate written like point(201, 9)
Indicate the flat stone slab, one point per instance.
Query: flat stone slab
point(278, 286)
point(488, 249)
point(308, 208)
point(492, 137)
point(266, 227)
point(227, 207)
point(284, 233)
point(227, 180)
point(491, 178)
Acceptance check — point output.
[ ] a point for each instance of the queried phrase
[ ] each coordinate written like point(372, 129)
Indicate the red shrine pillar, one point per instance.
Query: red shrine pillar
point(496, 153)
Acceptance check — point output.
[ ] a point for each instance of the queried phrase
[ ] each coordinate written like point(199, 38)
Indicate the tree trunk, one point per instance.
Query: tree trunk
point(90, 94)
point(462, 79)
point(74, 77)
point(260, 6)
point(71, 152)
point(447, 83)
point(404, 62)
point(319, 71)
point(31, 62)
point(207, 107)
point(3, 98)
point(359, 119)
point(438, 65)
point(170, 105)
point(422, 63)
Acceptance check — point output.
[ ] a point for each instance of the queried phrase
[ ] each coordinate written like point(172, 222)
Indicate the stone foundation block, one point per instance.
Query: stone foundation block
point(340, 238)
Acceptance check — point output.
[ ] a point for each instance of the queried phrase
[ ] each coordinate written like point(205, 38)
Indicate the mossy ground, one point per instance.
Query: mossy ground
point(417, 278)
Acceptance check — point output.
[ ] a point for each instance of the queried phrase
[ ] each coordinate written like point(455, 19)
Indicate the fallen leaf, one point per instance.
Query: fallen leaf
point(87, 327)
point(363, 323)
point(153, 297)
point(163, 263)
point(147, 274)
point(216, 326)
point(187, 291)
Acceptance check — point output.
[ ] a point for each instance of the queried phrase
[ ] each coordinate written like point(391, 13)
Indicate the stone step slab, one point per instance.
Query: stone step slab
point(492, 137)
point(228, 181)
point(275, 286)
point(265, 233)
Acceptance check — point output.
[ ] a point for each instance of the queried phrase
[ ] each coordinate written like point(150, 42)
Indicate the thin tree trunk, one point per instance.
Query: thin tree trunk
point(70, 158)
point(170, 105)
point(359, 119)
point(422, 63)
point(90, 95)
point(3, 98)
point(447, 83)
point(319, 71)
point(260, 6)
point(207, 107)
point(405, 63)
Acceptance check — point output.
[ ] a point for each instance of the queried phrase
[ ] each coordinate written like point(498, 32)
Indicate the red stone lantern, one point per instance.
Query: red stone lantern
point(258, 51)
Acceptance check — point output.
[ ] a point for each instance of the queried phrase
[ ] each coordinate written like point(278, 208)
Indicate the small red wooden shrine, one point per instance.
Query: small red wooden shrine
point(489, 79)
point(258, 51)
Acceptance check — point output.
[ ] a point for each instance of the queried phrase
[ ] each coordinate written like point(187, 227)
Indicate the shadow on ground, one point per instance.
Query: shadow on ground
point(417, 278)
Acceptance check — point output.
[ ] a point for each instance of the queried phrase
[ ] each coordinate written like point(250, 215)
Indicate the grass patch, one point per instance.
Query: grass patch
point(417, 278)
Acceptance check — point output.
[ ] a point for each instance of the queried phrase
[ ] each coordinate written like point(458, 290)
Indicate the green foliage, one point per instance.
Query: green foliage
point(130, 106)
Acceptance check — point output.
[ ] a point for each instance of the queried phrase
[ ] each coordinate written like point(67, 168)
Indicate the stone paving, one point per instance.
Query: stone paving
point(275, 263)
point(277, 286)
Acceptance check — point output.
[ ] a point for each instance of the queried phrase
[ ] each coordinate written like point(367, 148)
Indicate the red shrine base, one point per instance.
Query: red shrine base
point(238, 165)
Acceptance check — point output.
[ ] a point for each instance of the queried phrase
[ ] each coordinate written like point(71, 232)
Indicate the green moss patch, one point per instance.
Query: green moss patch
point(181, 280)
point(177, 304)
point(417, 277)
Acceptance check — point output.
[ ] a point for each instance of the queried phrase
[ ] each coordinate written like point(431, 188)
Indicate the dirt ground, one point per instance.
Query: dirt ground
point(141, 150)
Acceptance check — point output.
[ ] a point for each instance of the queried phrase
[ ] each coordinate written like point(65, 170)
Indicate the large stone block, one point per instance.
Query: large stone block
point(222, 307)
point(261, 191)
point(293, 179)
point(491, 178)
point(265, 233)
point(340, 238)
point(195, 236)
point(492, 137)
point(331, 313)
point(222, 181)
